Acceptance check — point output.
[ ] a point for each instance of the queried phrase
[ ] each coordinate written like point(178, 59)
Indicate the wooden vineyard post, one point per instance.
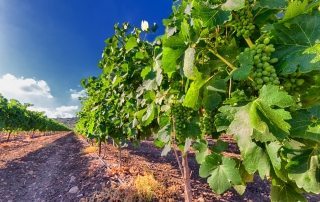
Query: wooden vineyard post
point(186, 178)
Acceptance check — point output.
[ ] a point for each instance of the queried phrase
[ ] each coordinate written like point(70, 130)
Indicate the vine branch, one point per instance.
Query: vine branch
point(249, 42)
point(223, 59)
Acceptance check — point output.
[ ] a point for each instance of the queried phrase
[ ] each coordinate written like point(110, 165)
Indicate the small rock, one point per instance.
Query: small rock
point(74, 190)
point(73, 178)
point(30, 172)
point(201, 199)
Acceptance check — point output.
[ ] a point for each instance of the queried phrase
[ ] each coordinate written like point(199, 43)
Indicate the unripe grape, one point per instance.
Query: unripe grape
point(287, 85)
point(260, 65)
point(259, 81)
point(300, 82)
point(273, 60)
point(266, 41)
point(265, 58)
point(266, 79)
point(268, 68)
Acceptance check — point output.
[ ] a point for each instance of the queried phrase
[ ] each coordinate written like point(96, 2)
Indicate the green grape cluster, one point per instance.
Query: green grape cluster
point(263, 71)
point(207, 124)
point(180, 115)
point(244, 23)
point(293, 82)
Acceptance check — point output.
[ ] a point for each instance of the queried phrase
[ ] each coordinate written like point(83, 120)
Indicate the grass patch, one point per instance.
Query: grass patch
point(146, 186)
point(90, 150)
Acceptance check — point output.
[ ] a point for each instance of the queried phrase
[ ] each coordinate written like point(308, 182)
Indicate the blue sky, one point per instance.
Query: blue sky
point(47, 46)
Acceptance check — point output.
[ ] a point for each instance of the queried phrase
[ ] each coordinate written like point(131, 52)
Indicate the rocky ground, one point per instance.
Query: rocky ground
point(58, 168)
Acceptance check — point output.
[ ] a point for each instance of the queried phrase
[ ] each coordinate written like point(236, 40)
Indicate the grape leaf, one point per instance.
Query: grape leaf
point(224, 176)
point(273, 96)
point(163, 134)
point(246, 65)
point(254, 158)
point(273, 4)
point(315, 111)
point(202, 151)
point(185, 29)
point(209, 16)
point(174, 42)
point(298, 43)
point(281, 192)
point(166, 149)
point(131, 43)
point(274, 119)
point(145, 72)
point(211, 97)
point(223, 172)
point(304, 169)
point(150, 84)
point(211, 100)
point(263, 137)
point(189, 70)
point(223, 119)
point(303, 125)
point(192, 97)
point(169, 59)
point(148, 117)
point(233, 5)
point(295, 8)
point(240, 189)
point(266, 119)
point(210, 163)
point(220, 146)
point(273, 149)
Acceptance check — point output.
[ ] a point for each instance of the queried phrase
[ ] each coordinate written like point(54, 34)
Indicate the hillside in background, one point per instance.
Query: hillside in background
point(69, 122)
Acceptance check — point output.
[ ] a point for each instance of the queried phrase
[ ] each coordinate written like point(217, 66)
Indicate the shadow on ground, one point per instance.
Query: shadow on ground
point(47, 174)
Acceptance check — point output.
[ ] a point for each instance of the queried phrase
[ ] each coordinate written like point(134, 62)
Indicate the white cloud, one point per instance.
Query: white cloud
point(75, 95)
point(25, 90)
point(58, 112)
point(38, 93)
point(66, 111)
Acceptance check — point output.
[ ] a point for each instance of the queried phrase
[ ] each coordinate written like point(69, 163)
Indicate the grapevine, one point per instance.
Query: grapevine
point(205, 76)
point(16, 117)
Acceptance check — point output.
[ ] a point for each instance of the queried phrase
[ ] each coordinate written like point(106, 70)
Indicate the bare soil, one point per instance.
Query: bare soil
point(55, 168)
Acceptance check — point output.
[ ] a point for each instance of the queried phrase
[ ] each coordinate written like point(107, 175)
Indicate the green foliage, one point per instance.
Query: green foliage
point(15, 116)
point(246, 68)
point(298, 43)
point(222, 171)
point(246, 65)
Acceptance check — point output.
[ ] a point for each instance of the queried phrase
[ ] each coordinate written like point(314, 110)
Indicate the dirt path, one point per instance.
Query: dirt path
point(44, 169)
point(54, 168)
